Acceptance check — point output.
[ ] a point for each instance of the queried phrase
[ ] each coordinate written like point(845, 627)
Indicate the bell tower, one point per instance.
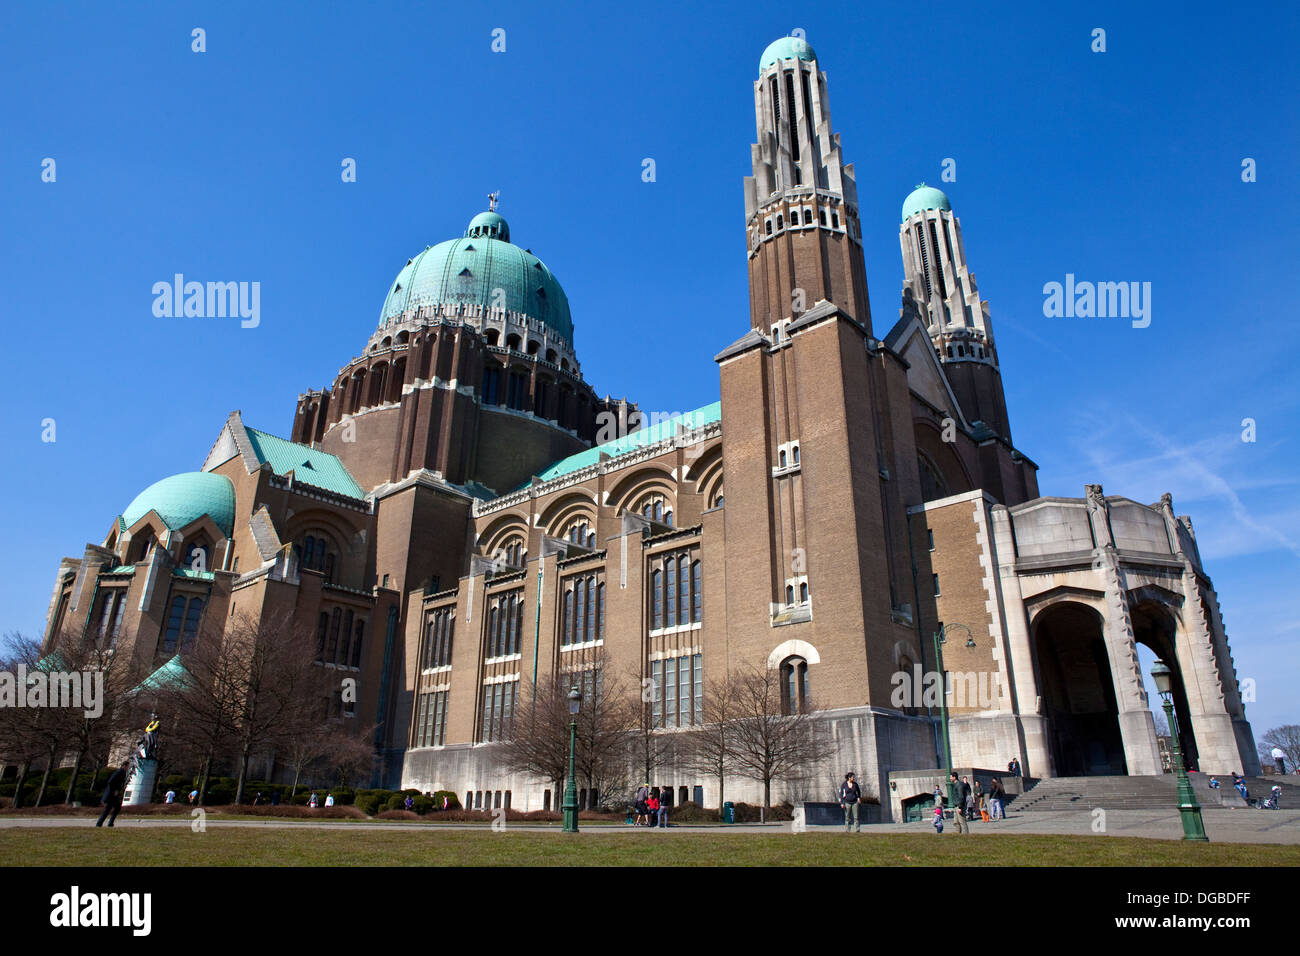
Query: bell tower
point(801, 203)
point(819, 460)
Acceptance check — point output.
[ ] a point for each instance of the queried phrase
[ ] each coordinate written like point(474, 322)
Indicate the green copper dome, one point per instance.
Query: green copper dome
point(182, 498)
point(786, 48)
point(924, 197)
point(471, 270)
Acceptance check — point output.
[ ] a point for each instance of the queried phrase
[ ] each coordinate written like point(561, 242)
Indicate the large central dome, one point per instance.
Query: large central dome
point(481, 268)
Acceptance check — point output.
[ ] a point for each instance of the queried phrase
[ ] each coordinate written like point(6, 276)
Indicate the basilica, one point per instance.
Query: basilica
point(452, 517)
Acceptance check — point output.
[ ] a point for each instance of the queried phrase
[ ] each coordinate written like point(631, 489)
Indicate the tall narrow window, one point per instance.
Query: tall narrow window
point(192, 615)
point(657, 599)
point(590, 633)
point(600, 611)
point(356, 644)
point(683, 590)
point(566, 627)
point(670, 572)
point(345, 640)
point(697, 594)
point(670, 692)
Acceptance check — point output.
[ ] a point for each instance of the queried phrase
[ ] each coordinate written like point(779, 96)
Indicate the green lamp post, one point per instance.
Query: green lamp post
point(570, 790)
point(1188, 808)
point(940, 639)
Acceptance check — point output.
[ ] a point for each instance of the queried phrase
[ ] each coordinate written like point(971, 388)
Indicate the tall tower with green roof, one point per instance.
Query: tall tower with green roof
point(939, 289)
point(801, 203)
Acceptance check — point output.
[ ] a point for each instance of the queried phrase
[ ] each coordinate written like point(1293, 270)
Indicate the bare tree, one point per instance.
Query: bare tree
point(650, 745)
point(708, 748)
point(1287, 739)
point(537, 742)
point(275, 678)
point(20, 743)
point(767, 743)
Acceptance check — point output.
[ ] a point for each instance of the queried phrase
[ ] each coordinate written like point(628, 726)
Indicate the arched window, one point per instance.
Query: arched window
point(781, 459)
point(780, 222)
point(794, 685)
point(590, 630)
point(789, 594)
point(795, 454)
point(683, 590)
point(803, 593)
point(767, 226)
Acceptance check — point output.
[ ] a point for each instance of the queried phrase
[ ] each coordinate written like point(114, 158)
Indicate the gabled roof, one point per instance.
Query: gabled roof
point(309, 465)
point(642, 438)
point(170, 675)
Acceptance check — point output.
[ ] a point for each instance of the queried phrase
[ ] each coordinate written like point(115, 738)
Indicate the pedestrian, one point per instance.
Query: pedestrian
point(652, 805)
point(409, 803)
point(850, 798)
point(170, 797)
point(194, 795)
point(1214, 783)
point(665, 804)
point(996, 796)
point(257, 798)
point(329, 800)
point(112, 799)
point(312, 801)
point(968, 798)
point(938, 817)
point(1279, 759)
point(642, 805)
point(978, 790)
point(1013, 768)
point(959, 811)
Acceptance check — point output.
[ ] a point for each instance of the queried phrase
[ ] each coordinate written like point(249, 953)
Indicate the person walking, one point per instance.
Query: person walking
point(938, 817)
point(1279, 759)
point(665, 804)
point(642, 805)
point(311, 803)
point(170, 797)
point(959, 811)
point(652, 808)
point(112, 799)
point(329, 800)
point(850, 798)
point(968, 798)
point(996, 795)
point(980, 806)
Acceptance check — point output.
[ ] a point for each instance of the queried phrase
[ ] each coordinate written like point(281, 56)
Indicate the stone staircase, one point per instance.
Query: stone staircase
point(1137, 793)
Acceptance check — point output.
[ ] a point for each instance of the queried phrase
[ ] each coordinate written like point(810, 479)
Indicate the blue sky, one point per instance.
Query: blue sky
point(225, 165)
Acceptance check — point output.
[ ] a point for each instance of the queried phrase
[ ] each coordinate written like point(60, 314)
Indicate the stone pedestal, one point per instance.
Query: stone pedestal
point(140, 787)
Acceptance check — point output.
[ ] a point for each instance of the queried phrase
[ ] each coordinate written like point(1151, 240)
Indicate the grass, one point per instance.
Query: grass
point(364, 846)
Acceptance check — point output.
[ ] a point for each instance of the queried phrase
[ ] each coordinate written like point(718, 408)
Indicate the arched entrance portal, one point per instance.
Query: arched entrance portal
point(1074, 677)
point(1154, 627)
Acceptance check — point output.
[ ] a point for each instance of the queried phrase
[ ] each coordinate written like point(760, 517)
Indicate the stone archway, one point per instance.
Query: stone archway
point(1155, 628)
point(1078, 693)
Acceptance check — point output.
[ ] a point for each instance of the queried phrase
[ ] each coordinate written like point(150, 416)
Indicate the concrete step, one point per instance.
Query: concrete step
point(1136, 793)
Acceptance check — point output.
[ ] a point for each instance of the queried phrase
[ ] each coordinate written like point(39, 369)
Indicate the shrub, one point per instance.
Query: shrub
point(398, 815)
point(453, 802)
point(423, 804)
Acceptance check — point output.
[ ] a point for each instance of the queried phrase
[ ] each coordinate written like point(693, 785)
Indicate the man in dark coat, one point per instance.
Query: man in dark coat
point(113, 795)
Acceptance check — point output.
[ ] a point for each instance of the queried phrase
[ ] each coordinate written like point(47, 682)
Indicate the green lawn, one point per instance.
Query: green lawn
point(364, 846)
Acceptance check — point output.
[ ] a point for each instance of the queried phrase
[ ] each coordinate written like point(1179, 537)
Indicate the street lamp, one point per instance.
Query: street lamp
point(1188, 808)
point(940, 639)
point(571, 791)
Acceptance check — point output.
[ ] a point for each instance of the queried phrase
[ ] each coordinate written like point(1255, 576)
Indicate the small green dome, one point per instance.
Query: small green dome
point(182, 498)
point(490, 225)
point(471, 269)
point(786, 48)
point(924, 197)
